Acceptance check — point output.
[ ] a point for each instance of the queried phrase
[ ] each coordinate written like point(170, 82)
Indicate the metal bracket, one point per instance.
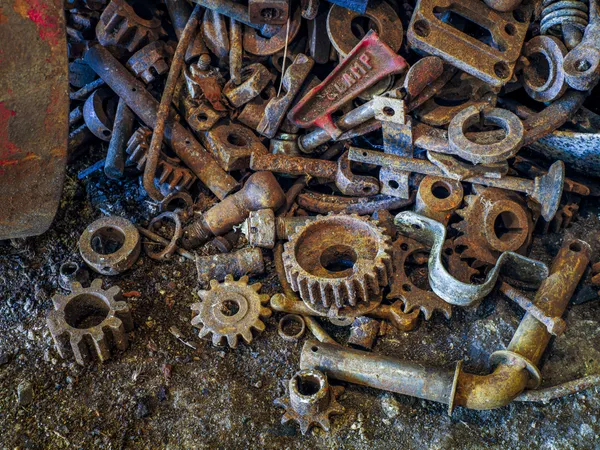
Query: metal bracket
point(453, 291)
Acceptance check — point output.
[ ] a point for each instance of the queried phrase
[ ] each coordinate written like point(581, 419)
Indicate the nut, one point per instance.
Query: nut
point(232, 144)
point(110, 245)
point(255, 78)
point(438, 198)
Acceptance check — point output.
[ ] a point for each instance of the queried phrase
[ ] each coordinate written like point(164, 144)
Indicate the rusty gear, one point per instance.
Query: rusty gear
point(402, 287)
point(120, 25)
point(338, 261)
point(494, 221)
point(459, 268)
point(85, 322)
point(169, 169)
point(231, 309)
point(310, 400)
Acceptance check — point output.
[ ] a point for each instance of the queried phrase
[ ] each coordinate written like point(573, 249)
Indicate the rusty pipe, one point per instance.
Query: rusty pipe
point(530, 340)
point(517, 366)
point(377, 371)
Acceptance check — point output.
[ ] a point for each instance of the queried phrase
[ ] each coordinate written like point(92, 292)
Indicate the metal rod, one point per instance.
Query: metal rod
point(114, 165)
point(143, 104)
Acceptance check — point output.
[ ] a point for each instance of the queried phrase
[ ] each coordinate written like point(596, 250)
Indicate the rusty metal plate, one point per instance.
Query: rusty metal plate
point(34, 114)
point(441, 28)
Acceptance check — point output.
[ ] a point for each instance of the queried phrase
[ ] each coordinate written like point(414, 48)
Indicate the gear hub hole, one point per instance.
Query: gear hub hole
point(338, 258)
point(506, 226)
point(538, 72)
point(142, 9)
point(440, 190)
point(107, 240)
point(308, 385)
point(361, 25)
point(230, 308)
point(86, 311)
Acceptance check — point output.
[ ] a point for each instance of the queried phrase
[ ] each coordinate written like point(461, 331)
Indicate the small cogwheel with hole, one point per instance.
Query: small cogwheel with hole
point(230, 310)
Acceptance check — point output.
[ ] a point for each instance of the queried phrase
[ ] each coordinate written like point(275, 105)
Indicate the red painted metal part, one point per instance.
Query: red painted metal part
point(34, 114)
point(367, 63)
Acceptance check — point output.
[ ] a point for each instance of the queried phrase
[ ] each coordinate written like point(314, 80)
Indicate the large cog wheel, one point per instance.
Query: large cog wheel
point(338, 261)
point(231, 310)
point(402, 287)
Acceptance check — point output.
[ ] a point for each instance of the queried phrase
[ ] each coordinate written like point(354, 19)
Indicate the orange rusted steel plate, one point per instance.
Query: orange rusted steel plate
point(34, 113)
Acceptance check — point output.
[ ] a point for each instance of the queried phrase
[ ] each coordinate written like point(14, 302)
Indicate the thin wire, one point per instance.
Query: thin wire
point(287, 38)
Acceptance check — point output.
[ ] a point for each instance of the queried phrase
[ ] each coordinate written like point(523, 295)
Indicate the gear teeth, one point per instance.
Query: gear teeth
point(214, 319)
point(168, 170)
point(368, 275)
point(314, 412)
point(119, 25)
point(413, 297)
point(111, 316)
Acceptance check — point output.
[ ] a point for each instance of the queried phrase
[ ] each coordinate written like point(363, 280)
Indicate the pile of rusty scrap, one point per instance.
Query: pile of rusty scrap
point(385, 178)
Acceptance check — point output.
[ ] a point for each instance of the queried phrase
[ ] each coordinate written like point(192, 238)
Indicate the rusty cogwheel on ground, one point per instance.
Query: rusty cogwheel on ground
point(85, 322)
point(338, 261)
point(229, 310)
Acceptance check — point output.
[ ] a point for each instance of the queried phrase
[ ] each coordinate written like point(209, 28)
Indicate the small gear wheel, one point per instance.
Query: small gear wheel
point(229, 310)
point(338, 261)
point(88, 320)
point(494, 221)
point(311, 400)
point(130, 26)
point(402, 286)
point(169, 171)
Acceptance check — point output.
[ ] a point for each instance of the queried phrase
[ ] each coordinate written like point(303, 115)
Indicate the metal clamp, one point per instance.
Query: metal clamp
point(453, 291)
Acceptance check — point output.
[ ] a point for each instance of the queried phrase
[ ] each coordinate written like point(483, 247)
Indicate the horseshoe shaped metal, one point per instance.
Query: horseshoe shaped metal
point(453, 291)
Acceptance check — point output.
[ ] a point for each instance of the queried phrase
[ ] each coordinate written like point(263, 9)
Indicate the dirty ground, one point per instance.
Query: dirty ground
point(161, 393)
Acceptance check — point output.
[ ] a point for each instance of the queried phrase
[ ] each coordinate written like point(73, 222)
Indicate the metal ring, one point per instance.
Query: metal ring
point(542, 87)
point(288, 319)
point(172, 246)
point(340, 27)
point(107, 230)
point(485, 153)
point(511, 359)
point(98, 117)
point(169, 204)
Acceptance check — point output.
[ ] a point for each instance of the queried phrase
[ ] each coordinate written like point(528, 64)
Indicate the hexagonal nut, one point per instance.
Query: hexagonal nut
point(255, 78)
point(110, 245)
point(232, 145)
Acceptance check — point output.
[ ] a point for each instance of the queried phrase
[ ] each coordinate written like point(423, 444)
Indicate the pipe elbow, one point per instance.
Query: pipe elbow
point(491, 391)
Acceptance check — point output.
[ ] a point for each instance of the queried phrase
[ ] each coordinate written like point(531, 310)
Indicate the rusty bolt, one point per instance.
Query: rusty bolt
point(260, 191)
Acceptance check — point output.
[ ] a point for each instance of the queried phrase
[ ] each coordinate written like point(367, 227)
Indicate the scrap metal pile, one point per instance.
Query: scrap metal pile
point(372, 146)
